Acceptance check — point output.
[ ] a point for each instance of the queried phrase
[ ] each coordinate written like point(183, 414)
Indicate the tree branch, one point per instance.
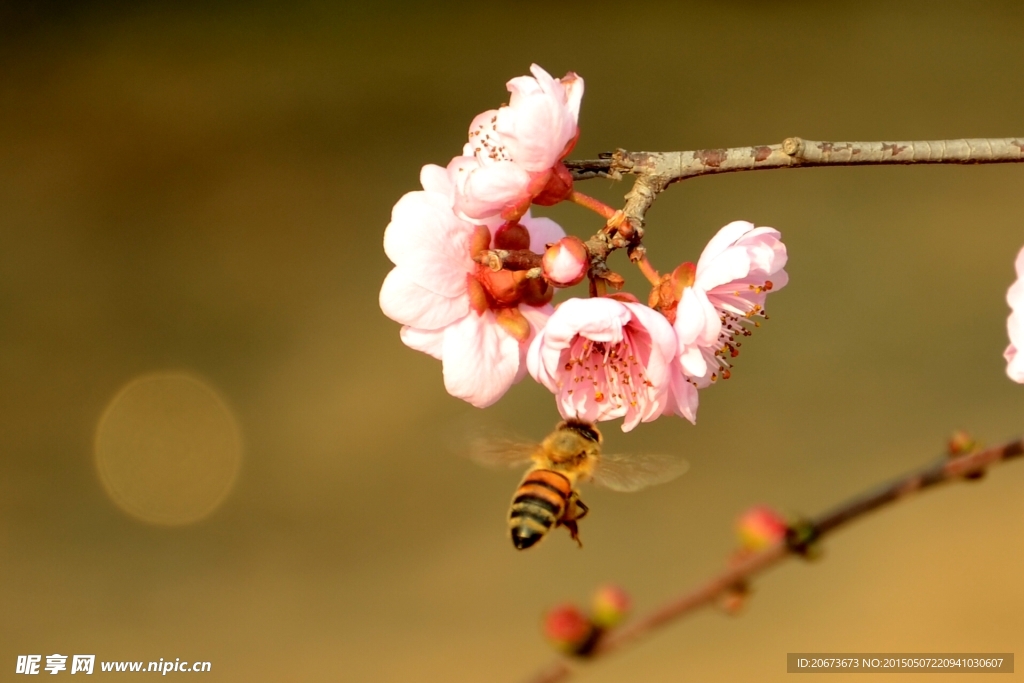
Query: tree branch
point(657, 170)
point(802, 535)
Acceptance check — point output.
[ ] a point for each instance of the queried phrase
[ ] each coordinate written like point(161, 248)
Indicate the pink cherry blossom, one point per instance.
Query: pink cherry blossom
point(737, 269)
point(513, 153)
point(430, 292)
point(604, 359)
point(1015, 324)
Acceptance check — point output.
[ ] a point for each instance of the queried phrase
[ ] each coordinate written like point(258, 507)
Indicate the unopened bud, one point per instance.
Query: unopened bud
point(760, 527)
point(557, 187)
point(537, 292)
point(567, 628)
point(960, 443)
point(566, 262)
point(512, 236)
point(734, 599)
point(611, 605)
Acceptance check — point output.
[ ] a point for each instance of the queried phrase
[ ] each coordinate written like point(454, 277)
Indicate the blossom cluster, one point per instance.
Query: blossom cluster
point(603, 357)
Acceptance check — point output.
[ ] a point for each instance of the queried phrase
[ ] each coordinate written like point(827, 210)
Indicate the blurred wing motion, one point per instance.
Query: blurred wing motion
point(501, 452)
point(628, 473)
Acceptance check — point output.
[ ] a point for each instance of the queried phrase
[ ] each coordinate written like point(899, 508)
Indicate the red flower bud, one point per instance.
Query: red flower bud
point(557, 188)
point(760, 527)
point(511, 236)
point(567, 628)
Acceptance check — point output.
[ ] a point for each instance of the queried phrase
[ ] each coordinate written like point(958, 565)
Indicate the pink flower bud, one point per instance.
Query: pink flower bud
point(760, 527)
point(611, 605)
point(566, 262)
point(567, 628)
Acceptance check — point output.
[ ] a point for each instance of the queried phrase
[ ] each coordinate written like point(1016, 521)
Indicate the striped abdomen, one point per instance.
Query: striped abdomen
point(538, 505)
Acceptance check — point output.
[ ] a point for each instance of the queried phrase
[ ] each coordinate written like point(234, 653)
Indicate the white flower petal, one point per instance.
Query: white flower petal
point(722, 240)
point(480, 359)
point(434, 178)
point(406, 302)
point(429, 342)
point(483, 191)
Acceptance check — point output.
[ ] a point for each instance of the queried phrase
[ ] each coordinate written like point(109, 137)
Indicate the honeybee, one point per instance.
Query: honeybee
point(547, 497)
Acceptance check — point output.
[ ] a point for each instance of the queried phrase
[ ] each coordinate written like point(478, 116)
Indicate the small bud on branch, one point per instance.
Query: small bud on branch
point(739, 573)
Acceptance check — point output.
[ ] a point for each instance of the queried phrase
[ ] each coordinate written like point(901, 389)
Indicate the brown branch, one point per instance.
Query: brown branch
point(510, 259)
point(802, 535)
point(657, 170)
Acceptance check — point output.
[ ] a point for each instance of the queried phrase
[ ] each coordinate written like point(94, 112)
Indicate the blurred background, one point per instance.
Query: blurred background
point(213, 445)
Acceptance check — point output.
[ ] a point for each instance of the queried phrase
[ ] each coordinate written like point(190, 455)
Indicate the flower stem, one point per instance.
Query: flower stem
point(595, 205)
point(649, 271)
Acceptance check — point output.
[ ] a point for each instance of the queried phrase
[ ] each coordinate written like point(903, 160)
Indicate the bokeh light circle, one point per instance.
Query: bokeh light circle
point(168, 448)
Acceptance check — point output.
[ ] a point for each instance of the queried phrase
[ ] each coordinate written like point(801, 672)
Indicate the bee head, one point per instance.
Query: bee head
point(588, 430)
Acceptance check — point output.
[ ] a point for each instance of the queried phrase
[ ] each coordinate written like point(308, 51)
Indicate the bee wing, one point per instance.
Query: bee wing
point(633, 472)
point(501, 452)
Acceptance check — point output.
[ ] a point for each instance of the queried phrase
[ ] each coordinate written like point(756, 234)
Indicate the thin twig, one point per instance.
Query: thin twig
point(657, 170)
point(971, 466)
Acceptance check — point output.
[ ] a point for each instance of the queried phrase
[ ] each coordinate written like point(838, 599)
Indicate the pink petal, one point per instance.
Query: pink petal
point(697, 321)
point(1015, 294)
point(1014, 364)
point(572, 84)
point(728, 266)
point(434, 178)
point(428, 341)
point(537, 316)
point(480, 359)
point(663, 341)
point(482, 191)
point(692, 362)
point(430, 243)
point(724, 239)
point(543, 231)
point(1015, 323)
point(537, 124)
point(767, 252)
point(779, 280)
point(683, 399)
point(598, 319)
point(406, 302)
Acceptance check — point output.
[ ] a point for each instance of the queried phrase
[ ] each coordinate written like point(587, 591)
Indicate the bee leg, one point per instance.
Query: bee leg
point(574, 531)
point(574, 511)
